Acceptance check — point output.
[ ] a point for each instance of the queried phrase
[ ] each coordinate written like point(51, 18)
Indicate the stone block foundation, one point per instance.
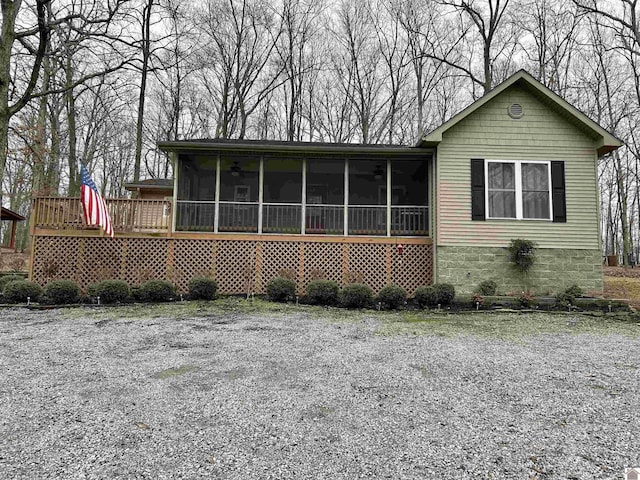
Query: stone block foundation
point(552, 272)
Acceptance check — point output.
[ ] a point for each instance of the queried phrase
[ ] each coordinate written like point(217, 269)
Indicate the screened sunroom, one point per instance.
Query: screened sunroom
point(301, 189)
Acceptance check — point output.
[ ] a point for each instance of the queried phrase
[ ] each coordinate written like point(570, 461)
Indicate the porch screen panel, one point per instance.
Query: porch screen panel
point(196, 193)
point(282, 195)
point(325, 197)
point(409, 197)
point(239, 189)
point(367, 197)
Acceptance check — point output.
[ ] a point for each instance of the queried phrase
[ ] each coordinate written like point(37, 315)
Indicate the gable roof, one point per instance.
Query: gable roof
point(6, 214)
point(605, 141)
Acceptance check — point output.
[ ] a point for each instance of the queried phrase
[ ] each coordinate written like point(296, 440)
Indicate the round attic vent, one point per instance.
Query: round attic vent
point(516, 111)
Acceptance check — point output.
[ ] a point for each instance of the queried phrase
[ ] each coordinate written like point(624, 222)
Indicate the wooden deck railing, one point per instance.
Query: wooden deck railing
point(127, 215)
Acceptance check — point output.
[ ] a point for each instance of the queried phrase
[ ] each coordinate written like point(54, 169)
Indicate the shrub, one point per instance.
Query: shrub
point(526, 299)
point(19, 290)
point(426, 296)
point(156, 291)
point(323, 292)
point(392, 296)
point(445, 293)
point(61, 292)
point(488, 287)
point(9, 278)
point(574, 291)
point(202, 288)
point(356, 295)
point(565, 299)
point(281, 289)
point(110, 291)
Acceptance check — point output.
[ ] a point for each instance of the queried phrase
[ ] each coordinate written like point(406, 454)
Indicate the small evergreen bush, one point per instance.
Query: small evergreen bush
point(575, 291)
point(110, 291)
point(487, 287)
point(356, 295)
point(565, 299)
point(445, 293)
point(9, 278)
point(202, 288)
point(433, 295)
point(19, 290)
point(426, 296)
point(156, 291)
point(568, 297)
point(323, 292)
point(62, 292)
point(281, 289)
point(392, 296)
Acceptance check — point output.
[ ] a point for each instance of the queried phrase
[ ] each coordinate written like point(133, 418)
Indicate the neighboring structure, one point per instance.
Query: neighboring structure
point(7, 215)
point(518, 163)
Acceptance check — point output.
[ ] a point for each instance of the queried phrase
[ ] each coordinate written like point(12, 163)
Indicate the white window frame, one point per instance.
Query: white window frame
point(518, 180)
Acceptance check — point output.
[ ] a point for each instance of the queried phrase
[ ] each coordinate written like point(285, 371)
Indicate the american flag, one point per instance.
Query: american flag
point(95, 210)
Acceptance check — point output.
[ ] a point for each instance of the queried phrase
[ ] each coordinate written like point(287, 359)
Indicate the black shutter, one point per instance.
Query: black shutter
point(558, 192)
point(477, 189)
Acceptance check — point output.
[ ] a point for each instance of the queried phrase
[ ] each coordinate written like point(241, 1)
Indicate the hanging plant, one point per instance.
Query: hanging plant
point(522, 254)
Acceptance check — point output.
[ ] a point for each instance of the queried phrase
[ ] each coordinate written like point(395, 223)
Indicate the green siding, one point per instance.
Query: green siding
point(541, 134)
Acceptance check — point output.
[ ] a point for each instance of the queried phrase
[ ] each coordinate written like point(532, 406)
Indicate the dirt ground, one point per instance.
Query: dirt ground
point(622, 283)
point(13, 261)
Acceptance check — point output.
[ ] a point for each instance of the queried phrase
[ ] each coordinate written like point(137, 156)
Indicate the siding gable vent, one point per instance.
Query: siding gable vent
point(516, 111)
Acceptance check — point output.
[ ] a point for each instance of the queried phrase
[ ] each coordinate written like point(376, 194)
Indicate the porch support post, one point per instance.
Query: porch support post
point(346, 197)
point(303, 213)
point(260, 194)
point(12, 237)
point(174, 211)
point(216, 208)
point(388, 197)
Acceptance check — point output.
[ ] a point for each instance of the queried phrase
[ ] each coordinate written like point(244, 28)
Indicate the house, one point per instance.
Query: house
point(518, 163)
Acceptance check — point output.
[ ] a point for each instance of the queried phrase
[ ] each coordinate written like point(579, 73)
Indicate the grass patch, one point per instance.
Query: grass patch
point(174, 372)
point(201, 308)
point(508, 326)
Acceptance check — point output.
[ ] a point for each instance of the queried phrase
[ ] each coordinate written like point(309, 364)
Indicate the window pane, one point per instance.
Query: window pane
point(282, 180)
point(535, 190)
point(502, 204)
point(501, 175)
point(535, 177)
point(535, 205)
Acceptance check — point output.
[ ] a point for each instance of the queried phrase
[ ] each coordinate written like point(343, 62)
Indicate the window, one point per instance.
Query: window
point(518, 190)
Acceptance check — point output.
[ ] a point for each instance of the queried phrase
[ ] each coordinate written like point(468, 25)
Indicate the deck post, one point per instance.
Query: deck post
point(216, 208)
point(345, 213)
point(174, 215)
point(388, 197)
point(303, 214)
point(260, 194)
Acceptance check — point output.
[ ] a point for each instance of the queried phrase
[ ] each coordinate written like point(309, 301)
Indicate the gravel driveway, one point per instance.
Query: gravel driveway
point(296, 396)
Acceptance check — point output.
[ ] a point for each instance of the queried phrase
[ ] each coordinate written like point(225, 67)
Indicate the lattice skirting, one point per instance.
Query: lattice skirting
point(239, 266)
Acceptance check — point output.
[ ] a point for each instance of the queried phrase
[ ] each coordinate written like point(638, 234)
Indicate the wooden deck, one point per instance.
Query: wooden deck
point(146, 247)
point(127, 215)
